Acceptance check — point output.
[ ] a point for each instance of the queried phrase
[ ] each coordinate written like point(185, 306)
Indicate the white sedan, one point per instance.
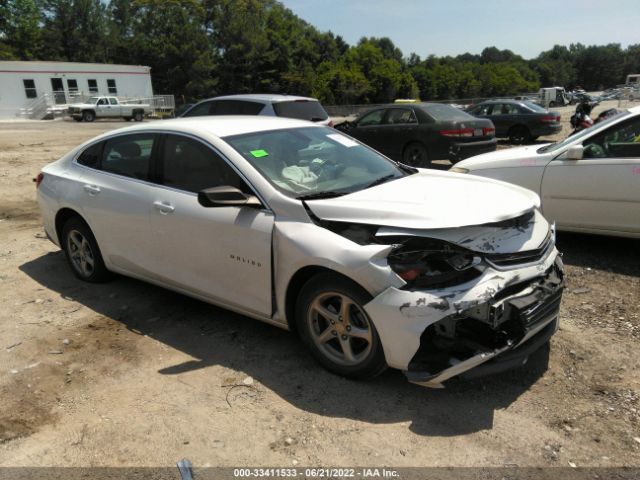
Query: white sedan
point(589, 182)
point(375, 264)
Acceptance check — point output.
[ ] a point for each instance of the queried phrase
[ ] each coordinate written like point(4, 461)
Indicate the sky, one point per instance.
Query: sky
point(452, 27)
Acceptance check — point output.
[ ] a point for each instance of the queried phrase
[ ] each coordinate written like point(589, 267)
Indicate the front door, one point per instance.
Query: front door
point(399, 128)
point(221, 253)
point(369, 130)
point(602, 190)
point(57, 87)
point(103, 109)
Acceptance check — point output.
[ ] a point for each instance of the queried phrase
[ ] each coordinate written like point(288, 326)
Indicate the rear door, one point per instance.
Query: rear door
point(116, 199)
point(399, 128)
point(116, 109)
point(221, 253)
point(501, 120)
point(368, 129)
point(601, 191)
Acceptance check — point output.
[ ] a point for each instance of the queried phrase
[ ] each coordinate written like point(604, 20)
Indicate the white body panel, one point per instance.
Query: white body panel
point(592, 195)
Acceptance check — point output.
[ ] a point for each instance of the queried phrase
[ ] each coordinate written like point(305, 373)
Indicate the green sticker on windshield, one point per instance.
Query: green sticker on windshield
point(259, 153)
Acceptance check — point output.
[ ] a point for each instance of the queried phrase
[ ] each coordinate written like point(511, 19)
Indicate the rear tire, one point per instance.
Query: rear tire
point(88, 116)
point(519, 135)
point(138, 116)
point(552, 104)
point(415, 155)
point(331, 321)
point(82, 252)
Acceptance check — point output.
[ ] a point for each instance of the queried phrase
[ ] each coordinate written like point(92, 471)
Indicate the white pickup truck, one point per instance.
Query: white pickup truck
point(107, 107)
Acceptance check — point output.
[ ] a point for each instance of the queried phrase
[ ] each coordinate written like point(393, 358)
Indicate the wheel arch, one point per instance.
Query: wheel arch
point(298, 280)
point(62, 216)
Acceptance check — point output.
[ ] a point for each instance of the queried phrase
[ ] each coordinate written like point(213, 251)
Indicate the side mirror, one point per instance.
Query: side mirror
point(575, 152)
point(226, 196)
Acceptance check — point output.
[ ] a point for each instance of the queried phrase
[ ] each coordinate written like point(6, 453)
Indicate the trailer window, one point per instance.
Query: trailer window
point(111, 85)
point(72, 85)
point(93, 85)
point(30, 88)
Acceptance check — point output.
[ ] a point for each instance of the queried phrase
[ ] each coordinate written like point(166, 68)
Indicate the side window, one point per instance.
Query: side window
point(30, 88)
point(372, 118)
point(113, 101)
point(91, 156)
point(129, 155)
point(510, 109)
point(235, 107)
point(93, 85)
point(102, 101)
point(192, 166)
point(199, 110)
point(619, 141)
point(497, 109)
point(111, 85)
point(401, 115)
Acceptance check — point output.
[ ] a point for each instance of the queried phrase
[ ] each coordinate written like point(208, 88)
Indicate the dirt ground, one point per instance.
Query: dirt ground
point(128, 374)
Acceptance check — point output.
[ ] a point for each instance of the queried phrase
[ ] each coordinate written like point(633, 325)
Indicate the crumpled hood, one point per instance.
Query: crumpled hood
point(429, 200)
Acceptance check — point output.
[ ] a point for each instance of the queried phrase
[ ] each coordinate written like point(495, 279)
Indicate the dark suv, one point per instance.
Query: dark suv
point(290, 106)
point(520, 121)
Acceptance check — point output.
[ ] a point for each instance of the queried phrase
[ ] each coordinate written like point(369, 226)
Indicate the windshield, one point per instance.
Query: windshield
point(581, 134)
point(301, 109)
point(314, 162)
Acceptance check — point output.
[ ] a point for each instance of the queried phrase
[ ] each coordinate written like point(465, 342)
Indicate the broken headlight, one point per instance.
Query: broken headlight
point(433, 264)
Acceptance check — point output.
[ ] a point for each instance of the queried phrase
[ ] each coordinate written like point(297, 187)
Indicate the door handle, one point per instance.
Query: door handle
point(164, 207)
point(91, 189)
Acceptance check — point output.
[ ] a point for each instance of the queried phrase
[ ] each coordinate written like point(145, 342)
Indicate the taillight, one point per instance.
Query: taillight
point(461, 132)
point(488, 131)
point(550, 119)
point(38, 179)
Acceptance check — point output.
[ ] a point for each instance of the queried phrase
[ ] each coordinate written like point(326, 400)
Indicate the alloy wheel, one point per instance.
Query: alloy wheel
point(80, 253)
point(340, 328)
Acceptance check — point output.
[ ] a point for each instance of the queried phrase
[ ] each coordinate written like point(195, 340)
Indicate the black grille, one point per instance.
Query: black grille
point(538, 312)
point(505, 260)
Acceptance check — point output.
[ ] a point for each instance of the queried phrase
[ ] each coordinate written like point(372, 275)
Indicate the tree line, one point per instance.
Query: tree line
point(203, 48)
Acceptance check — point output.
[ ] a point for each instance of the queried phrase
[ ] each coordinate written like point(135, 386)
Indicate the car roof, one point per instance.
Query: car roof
point(219, 126)
point(502, 100)
point(262, 97)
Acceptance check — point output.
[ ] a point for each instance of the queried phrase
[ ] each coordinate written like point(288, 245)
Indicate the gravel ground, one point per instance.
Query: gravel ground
point(129, 374)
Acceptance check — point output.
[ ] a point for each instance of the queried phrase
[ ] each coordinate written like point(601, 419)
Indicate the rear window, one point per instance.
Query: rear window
point(446, 112)
point(301, 109)
point(535, 107)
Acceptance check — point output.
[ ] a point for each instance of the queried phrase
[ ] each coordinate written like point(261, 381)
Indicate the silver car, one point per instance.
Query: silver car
point(373, 263)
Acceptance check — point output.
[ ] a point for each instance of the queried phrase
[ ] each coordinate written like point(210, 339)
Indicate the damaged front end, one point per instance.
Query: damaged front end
point(484, 295)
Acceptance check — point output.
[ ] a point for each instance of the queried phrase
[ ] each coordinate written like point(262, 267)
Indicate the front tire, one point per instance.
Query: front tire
point(88, 116)
point(415, 155)
point(332, 322)
point(82, 252)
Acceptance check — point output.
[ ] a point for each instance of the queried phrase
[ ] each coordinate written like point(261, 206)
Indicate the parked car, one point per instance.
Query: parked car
point(372, 262)
point(420, 132)
point(589, 182)
point(107, 107)
point(520, 121)
point(288, 106)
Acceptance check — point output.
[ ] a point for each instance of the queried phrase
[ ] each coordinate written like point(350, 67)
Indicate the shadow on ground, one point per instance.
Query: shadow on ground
point(613, 254)
point(276, 359)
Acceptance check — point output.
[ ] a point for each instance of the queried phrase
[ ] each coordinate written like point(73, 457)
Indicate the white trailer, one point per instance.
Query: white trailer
point(35, 89)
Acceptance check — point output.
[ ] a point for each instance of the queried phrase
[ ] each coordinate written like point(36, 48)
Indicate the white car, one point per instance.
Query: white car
point(375, 264)
point(589, 182)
